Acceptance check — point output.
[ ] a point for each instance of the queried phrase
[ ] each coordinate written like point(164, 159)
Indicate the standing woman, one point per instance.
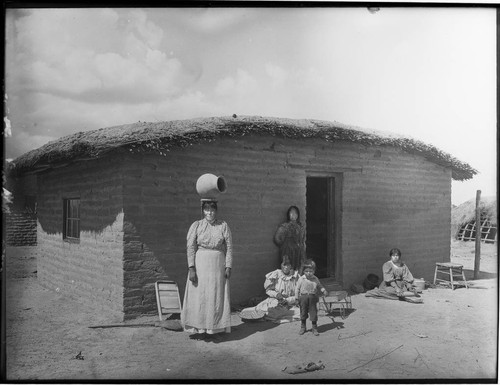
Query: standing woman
point(290, 237)
point(206, 308)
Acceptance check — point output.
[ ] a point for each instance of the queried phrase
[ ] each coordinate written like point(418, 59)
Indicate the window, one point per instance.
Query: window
point(71, 213)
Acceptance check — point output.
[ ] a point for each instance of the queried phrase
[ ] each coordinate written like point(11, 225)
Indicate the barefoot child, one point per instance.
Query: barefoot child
point(307, 294)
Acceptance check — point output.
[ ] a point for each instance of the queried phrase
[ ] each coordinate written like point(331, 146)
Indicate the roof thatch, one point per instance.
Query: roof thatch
point(161, 136)
point(466, 212)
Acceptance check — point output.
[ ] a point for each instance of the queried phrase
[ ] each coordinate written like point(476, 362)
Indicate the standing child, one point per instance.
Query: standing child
point(307, 296)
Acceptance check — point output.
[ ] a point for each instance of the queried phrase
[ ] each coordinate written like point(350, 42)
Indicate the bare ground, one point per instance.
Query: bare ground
point(452, 335)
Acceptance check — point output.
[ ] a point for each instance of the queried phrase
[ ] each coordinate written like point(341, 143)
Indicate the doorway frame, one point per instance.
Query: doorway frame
point(334, 221)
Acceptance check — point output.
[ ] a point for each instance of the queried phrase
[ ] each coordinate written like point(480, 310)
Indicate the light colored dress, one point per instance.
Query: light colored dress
point(290, 237)
point(272, 308)
point(399, 274)
point(206, 307)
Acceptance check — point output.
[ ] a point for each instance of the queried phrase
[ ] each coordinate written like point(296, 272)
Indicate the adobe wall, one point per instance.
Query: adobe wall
point(21, 186)
point(399, 200)
point(20, 228)
point(92, 269)
point(390, 199)
point(20, 222)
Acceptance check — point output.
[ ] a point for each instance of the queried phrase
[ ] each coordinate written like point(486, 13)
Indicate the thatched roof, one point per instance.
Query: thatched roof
point(161, 136)
point(466, 212)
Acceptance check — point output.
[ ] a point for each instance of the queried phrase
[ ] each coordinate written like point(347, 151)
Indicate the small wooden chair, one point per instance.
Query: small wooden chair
point(337, 299)
point(450, 270)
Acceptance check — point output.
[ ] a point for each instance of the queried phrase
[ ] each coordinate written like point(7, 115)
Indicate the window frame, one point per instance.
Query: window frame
point(71, 219)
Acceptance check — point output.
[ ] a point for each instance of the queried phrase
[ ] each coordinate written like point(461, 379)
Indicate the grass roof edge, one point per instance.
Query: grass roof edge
point(160, 136)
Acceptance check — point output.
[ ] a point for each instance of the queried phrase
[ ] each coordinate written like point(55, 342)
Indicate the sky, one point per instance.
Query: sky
point(426, 73)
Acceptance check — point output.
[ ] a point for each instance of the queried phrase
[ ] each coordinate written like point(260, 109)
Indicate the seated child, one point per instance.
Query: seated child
point(306, 294)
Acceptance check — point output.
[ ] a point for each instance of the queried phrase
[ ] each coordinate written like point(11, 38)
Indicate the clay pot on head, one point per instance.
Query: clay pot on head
point(209, 186)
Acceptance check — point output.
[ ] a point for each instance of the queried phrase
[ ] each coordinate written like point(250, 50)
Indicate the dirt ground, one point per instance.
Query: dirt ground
point(452, 335)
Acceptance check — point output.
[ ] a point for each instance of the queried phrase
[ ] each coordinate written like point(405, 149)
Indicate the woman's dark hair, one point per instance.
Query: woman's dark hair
point(290, 210)
point(395, 251)
point(209, 204)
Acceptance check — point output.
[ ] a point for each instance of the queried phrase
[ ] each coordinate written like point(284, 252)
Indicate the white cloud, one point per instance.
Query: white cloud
point(183, 107)
point(31, 130)
point(241, 84)
point(147, 31)
point(68, 60)
point(225, 86)
point(115, 71)
point(309, 78)
point(21, 142)
point(209, 20)
point(277, 74)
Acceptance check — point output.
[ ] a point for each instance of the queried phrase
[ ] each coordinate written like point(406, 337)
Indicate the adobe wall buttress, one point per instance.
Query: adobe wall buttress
point(20, 228)
point(20, 220)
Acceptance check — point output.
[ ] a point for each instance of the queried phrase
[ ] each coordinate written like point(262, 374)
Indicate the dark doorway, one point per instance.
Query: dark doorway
point(321, 223)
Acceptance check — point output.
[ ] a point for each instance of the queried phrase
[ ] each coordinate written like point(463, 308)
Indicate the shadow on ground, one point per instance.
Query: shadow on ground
point(469, 275)
point(244, 330)
point(331, 326)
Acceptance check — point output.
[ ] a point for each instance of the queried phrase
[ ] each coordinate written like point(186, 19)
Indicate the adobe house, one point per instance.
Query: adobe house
point(114, 204)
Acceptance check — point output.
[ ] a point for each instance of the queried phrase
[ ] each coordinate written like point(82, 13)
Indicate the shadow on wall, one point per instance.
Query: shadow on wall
point(51, 219)
point(154, 250)
point(97, 185)
point(144, 252)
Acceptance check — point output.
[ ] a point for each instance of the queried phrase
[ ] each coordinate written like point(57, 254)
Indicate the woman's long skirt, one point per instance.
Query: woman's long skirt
point(405, 286)
point(206, 307)
point(295, 254)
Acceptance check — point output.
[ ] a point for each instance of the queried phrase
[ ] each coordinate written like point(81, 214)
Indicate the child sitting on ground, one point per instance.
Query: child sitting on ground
point(307, 296)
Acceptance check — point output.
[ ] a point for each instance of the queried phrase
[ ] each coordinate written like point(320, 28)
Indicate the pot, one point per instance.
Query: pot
point(210, 185)
point(419, 283)
point(371, 281)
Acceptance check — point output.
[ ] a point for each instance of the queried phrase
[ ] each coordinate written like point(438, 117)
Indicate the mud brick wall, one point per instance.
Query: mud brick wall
point(398, 200)
point(90, 270)
point(136, 209)
point(390, 199)
point(148, 217)
point(20, 229)
point(20, 224)
point(21, 186)
point(141, 270)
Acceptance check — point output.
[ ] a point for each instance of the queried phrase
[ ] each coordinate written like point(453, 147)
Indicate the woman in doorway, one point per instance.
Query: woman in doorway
point(206, 309)
point(290, 237)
